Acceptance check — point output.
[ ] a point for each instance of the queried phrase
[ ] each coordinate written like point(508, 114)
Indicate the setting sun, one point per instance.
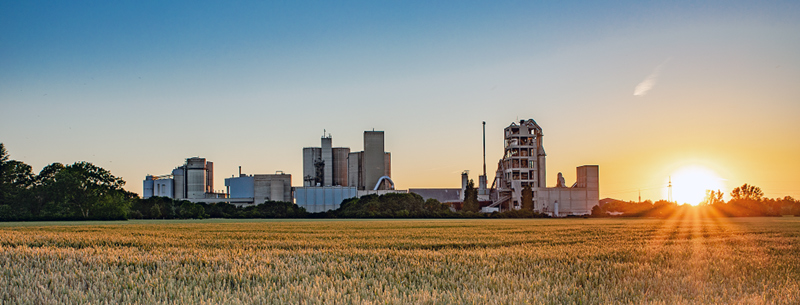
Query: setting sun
point(690, 183)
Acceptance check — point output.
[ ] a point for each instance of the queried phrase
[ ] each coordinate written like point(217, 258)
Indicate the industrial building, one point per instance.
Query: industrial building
point(255, 189)
point(325, 165)
point(370, 169)
point(194, 181)
point(332, 174)
point(524, 164)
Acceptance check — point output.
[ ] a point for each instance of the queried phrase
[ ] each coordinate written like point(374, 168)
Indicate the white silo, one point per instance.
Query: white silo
point(148, 187)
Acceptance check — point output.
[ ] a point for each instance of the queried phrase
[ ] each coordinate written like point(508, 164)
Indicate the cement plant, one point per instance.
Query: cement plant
point(334, 174)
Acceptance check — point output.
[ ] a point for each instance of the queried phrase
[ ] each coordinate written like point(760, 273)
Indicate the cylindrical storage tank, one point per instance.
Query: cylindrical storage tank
point(196, 178)
point(178, 179)
point(276, 190)
point(148, 187)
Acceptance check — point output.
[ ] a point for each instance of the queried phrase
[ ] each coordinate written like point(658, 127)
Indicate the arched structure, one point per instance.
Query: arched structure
point(380, 180)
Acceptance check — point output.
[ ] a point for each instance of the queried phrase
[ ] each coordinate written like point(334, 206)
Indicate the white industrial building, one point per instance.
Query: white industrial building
point(194, 181)
point(255, 189)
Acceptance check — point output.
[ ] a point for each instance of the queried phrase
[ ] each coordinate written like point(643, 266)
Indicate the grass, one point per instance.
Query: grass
point(682, 260)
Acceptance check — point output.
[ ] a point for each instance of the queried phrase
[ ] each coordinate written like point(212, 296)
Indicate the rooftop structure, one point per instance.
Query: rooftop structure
point(332, 174)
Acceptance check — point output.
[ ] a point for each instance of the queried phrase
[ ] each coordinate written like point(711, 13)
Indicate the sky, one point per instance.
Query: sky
point(644, 89)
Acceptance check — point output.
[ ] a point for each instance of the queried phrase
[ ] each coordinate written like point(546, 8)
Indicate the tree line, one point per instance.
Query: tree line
point(83, 191)
point(746, 200)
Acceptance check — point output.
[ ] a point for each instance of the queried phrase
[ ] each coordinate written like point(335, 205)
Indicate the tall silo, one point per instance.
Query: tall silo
point(179, 178)
point(340, 166)
point(196, 178)
point(327, 159)
point(374, 158)
point(209, 177)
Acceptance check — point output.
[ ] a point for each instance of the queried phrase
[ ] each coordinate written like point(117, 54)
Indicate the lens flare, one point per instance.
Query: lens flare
point(689, 184)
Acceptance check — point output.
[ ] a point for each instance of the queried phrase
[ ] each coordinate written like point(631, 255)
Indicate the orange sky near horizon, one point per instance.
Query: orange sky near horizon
point(641, 89)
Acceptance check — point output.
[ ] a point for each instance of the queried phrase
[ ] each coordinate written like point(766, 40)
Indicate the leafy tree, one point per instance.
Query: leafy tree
point(86, 187)
point(471, 198)
point(747, 192)
point(275, 209)
point(3, 155)
point(17, 177)
point(713, 198)
point(391, 205)
point(188, 209)
point(746, 200)
point(16, 183)
point(222, 210)
point(527, 198)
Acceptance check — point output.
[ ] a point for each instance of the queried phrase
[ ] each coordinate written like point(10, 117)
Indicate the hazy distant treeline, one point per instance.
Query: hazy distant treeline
point(746, 200)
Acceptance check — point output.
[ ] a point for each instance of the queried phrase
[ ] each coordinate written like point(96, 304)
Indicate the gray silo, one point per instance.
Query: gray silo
point(196, 178)
point(148, 187)
point(179, 177)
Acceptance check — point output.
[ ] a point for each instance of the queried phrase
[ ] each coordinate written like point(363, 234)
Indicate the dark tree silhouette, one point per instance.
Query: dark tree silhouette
point(471, 198)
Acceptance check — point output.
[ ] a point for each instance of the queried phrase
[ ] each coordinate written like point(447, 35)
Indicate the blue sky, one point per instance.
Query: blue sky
point(136, 87)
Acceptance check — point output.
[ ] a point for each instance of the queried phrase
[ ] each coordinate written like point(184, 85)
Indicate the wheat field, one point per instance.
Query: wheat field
point(685, 259)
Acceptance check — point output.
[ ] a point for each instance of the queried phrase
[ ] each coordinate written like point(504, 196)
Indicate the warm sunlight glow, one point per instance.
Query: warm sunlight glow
point(690, 183)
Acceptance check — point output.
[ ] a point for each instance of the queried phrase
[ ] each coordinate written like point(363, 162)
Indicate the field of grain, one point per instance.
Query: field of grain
point(684, 259)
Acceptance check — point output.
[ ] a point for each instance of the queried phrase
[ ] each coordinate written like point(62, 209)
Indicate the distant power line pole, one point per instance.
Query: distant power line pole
point(669, 190)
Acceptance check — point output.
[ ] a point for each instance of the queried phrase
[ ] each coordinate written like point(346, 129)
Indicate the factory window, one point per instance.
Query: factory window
point(516, 176)
point(514, 130)
point(531, 164)
point(525, 176)
point(514, 152)
point(524, 152)
point(515, 163)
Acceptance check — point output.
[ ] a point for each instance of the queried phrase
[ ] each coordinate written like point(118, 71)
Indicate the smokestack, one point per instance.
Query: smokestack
point(240, 170)
point(484, 148)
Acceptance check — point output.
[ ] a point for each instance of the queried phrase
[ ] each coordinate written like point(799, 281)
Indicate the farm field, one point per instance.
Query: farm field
point(683, 259)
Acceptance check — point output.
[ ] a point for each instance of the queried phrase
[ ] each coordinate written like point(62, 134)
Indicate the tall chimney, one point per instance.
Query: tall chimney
point(484, 148)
